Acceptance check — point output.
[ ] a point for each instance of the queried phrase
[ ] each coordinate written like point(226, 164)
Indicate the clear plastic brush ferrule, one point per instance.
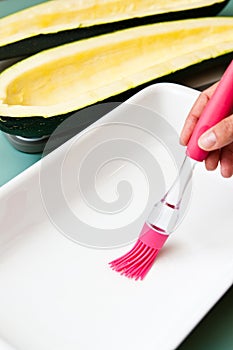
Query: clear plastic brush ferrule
point(164, 216)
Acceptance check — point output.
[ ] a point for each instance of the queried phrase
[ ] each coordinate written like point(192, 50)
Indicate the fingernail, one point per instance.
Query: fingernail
point(181, 142)
point(207, 140)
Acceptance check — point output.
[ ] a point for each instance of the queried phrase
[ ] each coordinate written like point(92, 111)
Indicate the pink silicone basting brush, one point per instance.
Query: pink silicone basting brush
point(164, 215)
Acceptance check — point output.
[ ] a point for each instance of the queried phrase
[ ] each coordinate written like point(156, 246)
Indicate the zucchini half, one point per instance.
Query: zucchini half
point(37, 93)
point(58, 22)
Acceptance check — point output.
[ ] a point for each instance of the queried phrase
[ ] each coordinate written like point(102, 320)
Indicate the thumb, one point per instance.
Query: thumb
point(218, 136)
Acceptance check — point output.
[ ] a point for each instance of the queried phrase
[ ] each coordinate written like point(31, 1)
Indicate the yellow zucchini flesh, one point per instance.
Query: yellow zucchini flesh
point(59, 16)
point(72, 76)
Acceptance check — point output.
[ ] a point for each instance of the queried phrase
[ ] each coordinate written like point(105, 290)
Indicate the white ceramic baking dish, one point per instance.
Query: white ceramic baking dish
point(58, 294)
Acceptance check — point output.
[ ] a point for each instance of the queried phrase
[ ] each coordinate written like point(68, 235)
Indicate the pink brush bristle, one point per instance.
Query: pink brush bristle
point(139, 260)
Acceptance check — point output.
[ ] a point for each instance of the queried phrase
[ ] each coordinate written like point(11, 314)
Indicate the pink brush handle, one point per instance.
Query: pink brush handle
point(218, 107)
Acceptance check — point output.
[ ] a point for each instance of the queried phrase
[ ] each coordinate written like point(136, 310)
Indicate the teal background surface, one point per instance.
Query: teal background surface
point(215, 331)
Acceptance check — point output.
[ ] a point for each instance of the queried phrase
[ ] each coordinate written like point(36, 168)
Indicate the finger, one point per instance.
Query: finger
point(218, 136)
point(226, 161)
point(212, 160)
point(195, 113)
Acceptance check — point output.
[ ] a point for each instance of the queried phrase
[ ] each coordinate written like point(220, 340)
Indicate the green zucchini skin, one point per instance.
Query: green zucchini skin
point(33, 127)
point(29, 46)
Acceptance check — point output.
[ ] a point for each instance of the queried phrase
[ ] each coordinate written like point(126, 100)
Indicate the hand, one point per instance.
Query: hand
point(218, 140)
